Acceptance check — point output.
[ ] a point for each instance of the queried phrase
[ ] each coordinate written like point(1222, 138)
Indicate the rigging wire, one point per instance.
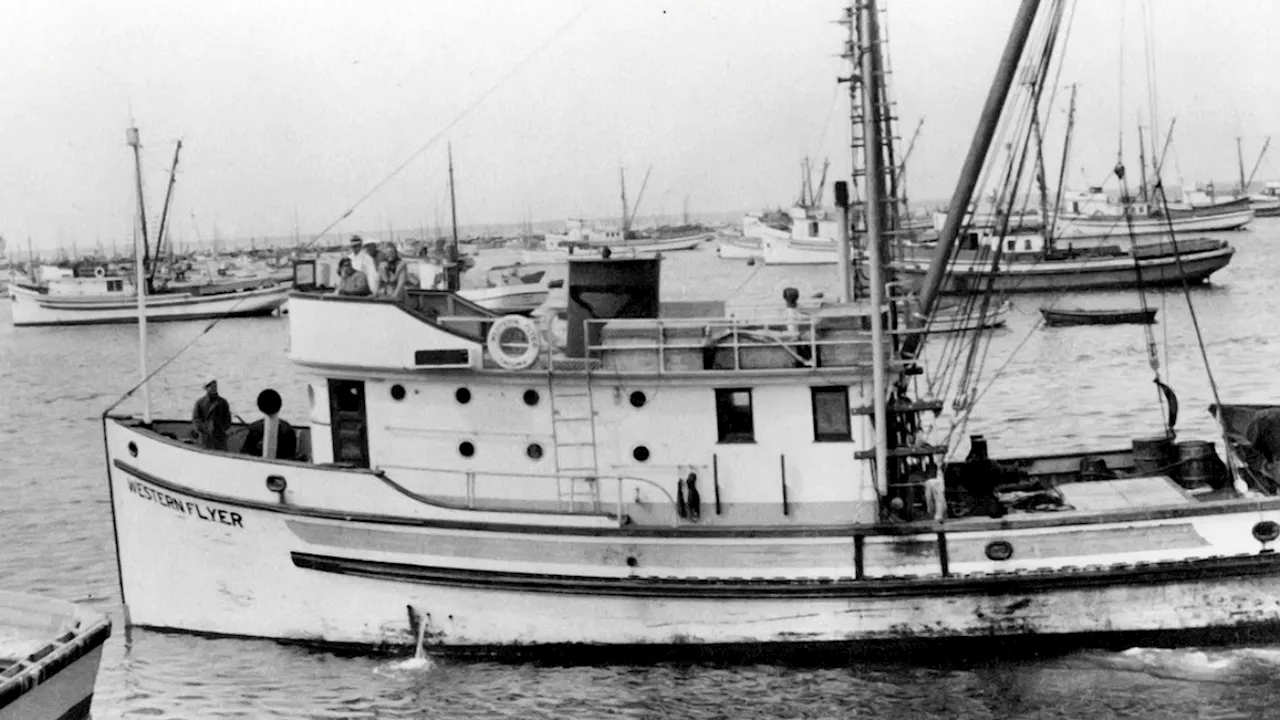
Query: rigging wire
point(450, 125)
point(1195, 323)
point(413, 156)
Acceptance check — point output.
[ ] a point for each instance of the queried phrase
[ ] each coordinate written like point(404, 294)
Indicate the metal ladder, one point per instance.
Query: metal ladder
point(573, 439)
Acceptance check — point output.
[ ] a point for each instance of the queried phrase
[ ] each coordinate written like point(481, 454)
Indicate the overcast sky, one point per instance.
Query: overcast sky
point(297, 109)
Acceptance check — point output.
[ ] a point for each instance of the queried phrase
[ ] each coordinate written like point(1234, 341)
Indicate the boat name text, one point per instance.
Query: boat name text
point(204, 512)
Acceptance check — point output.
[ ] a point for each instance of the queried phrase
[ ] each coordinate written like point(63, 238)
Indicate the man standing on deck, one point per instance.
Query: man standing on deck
point(364, 257)
point(211, 418)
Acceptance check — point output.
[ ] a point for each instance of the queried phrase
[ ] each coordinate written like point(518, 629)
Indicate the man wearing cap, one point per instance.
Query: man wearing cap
point(211, 418)
point(364, 258)
point(270, 437)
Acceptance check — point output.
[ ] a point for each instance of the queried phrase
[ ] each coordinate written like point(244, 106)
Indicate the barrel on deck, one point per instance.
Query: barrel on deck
point(1197, 468)
point(1154, 456)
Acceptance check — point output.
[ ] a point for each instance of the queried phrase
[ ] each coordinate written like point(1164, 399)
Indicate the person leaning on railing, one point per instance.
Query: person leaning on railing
point(350, 280)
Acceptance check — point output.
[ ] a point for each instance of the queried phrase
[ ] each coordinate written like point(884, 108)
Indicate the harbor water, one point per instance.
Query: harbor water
point(1056, 389)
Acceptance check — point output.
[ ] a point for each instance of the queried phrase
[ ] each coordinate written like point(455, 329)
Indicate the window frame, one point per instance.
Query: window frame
point(724, 406)
point(825, 436)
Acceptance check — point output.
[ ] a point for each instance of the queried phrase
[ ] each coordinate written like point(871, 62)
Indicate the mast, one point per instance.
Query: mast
point(1240, 159)
point(874, 238)
point(977, 153)
point(164, 215)
point(451, 263)
point(140, 261)
point(622, 176)
point(1142, 164)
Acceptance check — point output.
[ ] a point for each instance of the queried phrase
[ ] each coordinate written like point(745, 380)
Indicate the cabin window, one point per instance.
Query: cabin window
point(733, 416)
point(115, 285)
point(1026, 244)
point(813, 229)
point(1010, 245)
point(831, 415)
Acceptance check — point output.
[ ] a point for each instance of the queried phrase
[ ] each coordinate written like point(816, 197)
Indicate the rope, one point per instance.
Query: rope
point(413, 156)
point(128, 394)
point(1195, 320)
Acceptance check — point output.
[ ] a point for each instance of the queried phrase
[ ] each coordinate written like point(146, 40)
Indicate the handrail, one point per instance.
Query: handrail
point(469, 477)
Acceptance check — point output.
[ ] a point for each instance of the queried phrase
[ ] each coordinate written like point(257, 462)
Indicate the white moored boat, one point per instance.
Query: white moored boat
point(49, 656)
point(95, 301)
point(684, 484)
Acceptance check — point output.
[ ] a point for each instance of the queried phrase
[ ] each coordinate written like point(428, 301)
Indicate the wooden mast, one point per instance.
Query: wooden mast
point(140, 262)
point(871, 127)
point(452, 271)
point(1240, 162)
point(164, 216)
point(974, 161)
point(622, 178)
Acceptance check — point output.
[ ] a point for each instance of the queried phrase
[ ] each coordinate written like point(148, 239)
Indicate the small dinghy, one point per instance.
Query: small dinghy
point(49, 655)
point(1075, 316)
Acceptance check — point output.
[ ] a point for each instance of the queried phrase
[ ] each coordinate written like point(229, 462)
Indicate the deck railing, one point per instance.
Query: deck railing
point(565, 501)
point(683, 345)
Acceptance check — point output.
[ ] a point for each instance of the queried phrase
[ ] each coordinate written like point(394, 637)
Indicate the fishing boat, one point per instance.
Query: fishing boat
point(737, 246)
point(1081, 316)
point(105, 296)
point(1097, 216)
point(114, 300)
point(657, 484)
point(49, 656)
point(1027, 263)
point(514, 288)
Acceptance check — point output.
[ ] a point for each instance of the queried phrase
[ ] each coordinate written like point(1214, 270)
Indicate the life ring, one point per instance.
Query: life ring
point(99, 272)
point(499, 346)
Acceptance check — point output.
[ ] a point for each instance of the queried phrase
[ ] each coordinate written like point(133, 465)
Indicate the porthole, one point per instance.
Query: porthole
point(466, 449)
point(531, 397)
point(534, 451)
point(462, 395)
point(397, 392)
point(641, 453)
point(1266, 531)
point(632, 562)
point(133, 451)
point(999, 550)
point(638, 399)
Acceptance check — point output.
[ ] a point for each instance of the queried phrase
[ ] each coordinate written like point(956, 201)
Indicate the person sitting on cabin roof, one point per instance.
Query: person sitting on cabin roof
point(271, 437)
point(350, 280)
point(394, 275)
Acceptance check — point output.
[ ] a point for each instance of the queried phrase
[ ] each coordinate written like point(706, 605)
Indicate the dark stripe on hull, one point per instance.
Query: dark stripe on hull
point(928, 651)
point(849, 531)
point(133, 320)
point(1019, 583)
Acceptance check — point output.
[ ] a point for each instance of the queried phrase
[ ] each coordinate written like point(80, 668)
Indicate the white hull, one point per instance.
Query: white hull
point(349, 559)
point(738, 248)
point(642, 245)
point(508, 298)
point(1068, 229)
point(780, 249)
point(974, 276)
point(34, 308)
point(58, 647)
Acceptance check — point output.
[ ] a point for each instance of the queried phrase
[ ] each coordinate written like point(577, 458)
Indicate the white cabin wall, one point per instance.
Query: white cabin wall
point(416, 441)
